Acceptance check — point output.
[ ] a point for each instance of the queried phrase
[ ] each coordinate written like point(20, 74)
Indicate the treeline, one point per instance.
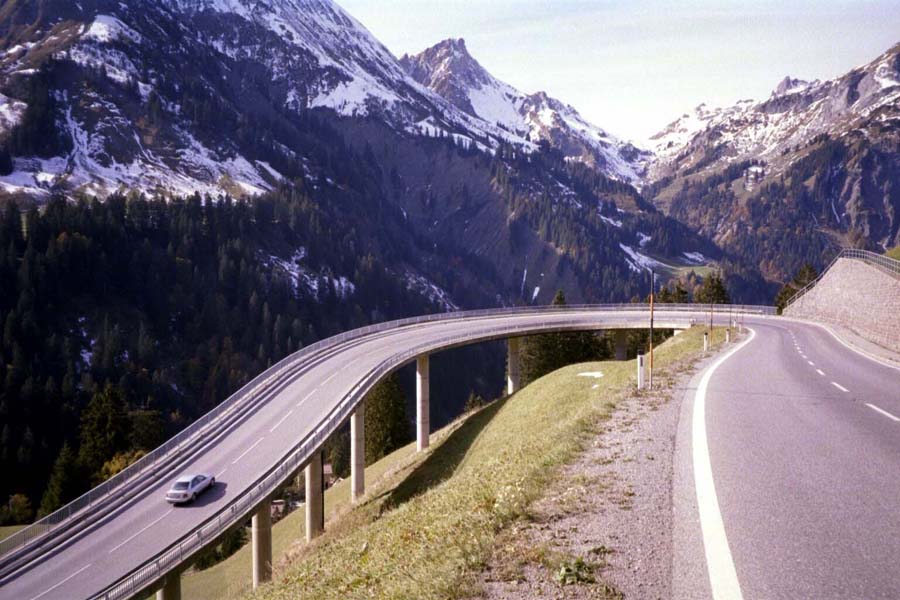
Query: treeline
point(123, 321)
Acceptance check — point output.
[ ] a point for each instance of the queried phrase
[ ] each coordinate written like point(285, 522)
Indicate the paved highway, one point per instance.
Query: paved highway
point(146, 525)
point(803, 449)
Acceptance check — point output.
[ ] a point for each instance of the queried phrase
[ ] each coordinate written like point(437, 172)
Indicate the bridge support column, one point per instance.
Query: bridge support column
point(261, 537)
point(171, 589)
point(358, 453)
point(621, 340)
point(513, 356)
point(315, 501)
point(423, 409)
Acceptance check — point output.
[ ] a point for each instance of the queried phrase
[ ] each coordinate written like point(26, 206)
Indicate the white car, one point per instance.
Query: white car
point(187, 487)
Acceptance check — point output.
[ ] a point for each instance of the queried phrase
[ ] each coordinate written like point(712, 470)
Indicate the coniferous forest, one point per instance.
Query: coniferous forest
point(124, 320)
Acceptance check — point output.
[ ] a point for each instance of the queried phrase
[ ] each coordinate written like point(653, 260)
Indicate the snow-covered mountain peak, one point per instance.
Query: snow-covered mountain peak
point(789, 85)
point(448, 69)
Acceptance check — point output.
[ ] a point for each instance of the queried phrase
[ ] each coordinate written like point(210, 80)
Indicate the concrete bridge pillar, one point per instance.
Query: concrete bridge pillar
point(423, 419)
point(513, 377)
point(261, 537)
point(315, 501)
point(621, 341)
point(358, 453)
point(171, 589)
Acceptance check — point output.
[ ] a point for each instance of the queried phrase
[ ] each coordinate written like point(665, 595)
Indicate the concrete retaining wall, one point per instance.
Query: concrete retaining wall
point(857, 296)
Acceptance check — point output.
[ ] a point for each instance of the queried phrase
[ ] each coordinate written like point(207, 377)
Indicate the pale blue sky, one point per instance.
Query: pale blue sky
point(634, 66)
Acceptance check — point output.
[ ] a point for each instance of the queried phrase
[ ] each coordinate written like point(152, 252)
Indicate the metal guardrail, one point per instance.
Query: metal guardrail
point(240, 508)
point(879, 261)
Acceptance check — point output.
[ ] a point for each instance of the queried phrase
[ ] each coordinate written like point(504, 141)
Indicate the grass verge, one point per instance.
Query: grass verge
point(436, 521)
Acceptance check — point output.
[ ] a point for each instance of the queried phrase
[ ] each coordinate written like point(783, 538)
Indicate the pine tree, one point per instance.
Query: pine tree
point(104, 429)
point(712, 291)
point(64, 482)
point(385, 415)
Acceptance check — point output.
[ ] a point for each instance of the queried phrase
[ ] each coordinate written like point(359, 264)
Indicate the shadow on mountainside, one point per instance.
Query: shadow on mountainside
point(443, 461)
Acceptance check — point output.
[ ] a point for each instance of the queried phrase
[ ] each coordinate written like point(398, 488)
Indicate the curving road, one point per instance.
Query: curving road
point(803, 441)
point(805, 473)
point(87, 563)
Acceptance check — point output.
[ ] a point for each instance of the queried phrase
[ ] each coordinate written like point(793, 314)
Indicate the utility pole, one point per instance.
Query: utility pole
point(652, 286)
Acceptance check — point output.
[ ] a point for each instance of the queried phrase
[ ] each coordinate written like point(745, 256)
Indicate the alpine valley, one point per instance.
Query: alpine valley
point(250, 176)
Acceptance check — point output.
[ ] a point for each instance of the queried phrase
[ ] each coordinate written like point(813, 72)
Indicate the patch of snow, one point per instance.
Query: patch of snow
point(639, 262)
point(534, 294)
point(695, 257)
point(592, 374)
point(430, 290)
point(613, 222)
point(643, 238)
point(107, 29)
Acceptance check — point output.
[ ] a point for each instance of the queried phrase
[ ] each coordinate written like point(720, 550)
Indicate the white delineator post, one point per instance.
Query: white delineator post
point(171, 589)
point(315, 507)
point(706, 342)
point(261, 537)
point(358, 453)
point(641, 371)
point(423, 419)
point(513, 356)
point(727, 335)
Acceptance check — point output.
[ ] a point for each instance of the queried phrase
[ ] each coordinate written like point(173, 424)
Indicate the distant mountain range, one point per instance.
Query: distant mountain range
point(242, 97)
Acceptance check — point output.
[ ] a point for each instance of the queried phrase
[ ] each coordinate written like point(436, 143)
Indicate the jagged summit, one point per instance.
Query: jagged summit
point(448, 69)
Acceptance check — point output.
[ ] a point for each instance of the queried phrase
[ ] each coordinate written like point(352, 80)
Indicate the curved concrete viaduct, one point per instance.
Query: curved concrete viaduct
point(123, 540)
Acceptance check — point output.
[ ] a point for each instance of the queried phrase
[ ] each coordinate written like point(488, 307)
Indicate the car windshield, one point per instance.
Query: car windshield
point(180, 485)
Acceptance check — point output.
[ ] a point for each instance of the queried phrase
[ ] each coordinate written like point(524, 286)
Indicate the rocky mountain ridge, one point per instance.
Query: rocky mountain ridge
point(448, 69)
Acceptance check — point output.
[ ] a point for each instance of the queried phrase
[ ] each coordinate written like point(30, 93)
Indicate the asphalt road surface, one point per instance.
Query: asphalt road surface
point(803, 449)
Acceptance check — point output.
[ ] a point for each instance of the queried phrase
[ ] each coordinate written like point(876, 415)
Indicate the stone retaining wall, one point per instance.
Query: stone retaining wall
point(857, 296)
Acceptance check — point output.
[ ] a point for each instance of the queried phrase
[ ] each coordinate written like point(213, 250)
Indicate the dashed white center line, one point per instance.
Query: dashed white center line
point(244, 453)
point(811, 363)
point(307, 397)
point(839, 386)
point(330, 377)
point(884, 412)
point(820, 372)
point(282, 420)
point(142, 530)
point(42, 594)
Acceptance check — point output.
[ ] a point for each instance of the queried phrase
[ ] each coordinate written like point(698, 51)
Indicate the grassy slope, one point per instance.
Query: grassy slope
point(894, 253)
point(8, 530)
point(437, 518)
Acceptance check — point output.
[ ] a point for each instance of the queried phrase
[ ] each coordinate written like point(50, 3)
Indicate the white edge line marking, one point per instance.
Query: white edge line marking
point(282, 420)
point(719, 563)
point(839, 386)
point(244, 453)
point(884, 412)
point(820, 372)
point(44, 593)
point(858, 351)
point(142, 530)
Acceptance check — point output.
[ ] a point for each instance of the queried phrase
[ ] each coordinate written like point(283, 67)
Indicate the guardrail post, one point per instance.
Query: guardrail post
point(423, 419)
point(261, 535)
point(315, 516)
point(621, 340)
point(171, 589)
point(513, 377)
point(358, 453)
point(641, 372)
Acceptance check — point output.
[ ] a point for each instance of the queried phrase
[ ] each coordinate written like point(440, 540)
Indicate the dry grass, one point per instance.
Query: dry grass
point(436, 521)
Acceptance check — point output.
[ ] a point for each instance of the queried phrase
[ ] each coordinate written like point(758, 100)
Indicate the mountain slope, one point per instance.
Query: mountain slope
point(449, 70)
point(785, 180)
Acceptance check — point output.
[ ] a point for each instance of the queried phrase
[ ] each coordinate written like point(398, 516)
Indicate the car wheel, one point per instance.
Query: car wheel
point(193, 496)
